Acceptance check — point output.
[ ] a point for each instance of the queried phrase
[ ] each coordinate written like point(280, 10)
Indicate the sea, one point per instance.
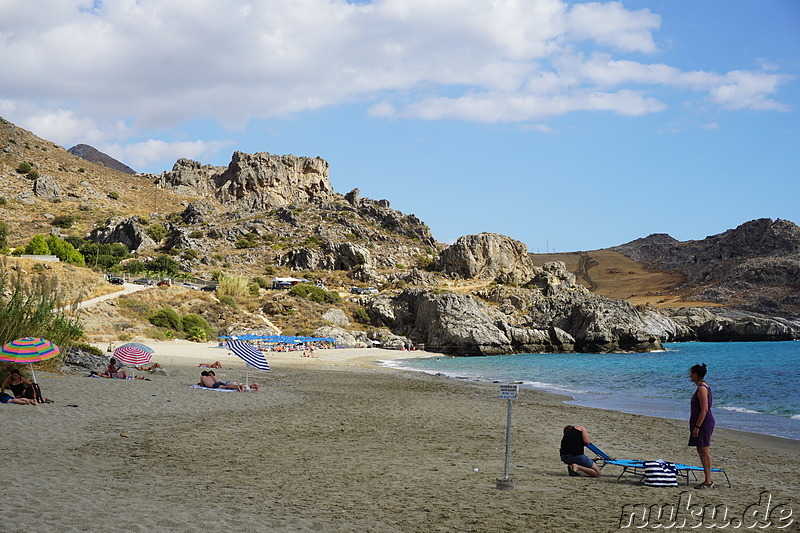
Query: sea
point(755, 385)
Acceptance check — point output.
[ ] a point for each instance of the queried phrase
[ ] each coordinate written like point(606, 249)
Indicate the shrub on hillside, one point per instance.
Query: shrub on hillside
point(63, 221)
point(24, 167)
point(167, 318)
point(34, 308)
point(194, 321)
point(314, 293)
point(229, 300)
point(232, 286)
point(157, 232)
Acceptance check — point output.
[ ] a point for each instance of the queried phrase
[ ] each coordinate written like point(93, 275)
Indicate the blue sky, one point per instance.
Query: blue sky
point(566, 125)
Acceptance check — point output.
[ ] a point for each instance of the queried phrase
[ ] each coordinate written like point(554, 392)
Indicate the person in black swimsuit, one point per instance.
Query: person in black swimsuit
point(575, 438)
point(20, 386)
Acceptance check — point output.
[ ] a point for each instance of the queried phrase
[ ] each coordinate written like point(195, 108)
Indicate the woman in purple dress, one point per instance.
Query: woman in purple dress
point(701, 422)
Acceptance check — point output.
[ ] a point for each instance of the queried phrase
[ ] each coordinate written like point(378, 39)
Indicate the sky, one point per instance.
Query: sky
point(567, 125)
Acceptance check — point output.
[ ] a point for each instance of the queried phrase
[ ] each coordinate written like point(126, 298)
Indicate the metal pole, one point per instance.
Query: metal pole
point(508, 439)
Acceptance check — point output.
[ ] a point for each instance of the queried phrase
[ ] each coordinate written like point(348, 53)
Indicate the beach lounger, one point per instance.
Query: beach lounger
point(636, 468)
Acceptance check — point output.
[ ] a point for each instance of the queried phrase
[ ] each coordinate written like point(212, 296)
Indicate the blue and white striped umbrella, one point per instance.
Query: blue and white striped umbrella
point(249, 354)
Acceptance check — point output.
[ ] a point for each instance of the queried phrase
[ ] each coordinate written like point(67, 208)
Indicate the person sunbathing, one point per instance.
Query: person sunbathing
point(215, 364)
point(209, 380)
point(7, 398)
point(150, 368)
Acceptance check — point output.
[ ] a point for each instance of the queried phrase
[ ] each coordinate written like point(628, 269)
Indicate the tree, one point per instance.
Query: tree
point(65, 251)
point(3, 236)
point(164, 264)
point(37, 246)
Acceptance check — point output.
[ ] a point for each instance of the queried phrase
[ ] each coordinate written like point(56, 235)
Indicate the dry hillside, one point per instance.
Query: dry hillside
point(90, 193)
point(612, 274)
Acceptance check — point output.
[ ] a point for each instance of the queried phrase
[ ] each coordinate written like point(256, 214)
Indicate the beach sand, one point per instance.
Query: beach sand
point(337, 443)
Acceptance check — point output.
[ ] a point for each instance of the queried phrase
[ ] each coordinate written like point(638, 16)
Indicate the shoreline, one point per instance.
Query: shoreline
point(730, 419)
point(337, 443)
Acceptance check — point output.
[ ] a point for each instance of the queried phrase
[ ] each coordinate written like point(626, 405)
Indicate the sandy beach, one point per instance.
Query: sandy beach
point(337, 443)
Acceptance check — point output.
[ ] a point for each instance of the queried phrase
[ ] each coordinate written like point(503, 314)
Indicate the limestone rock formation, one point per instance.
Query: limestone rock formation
point(336, 317)
point(263, 181)
point(190, 177)
point(127, 231)
point(460, 323)
point(47, 188)
point(487, 256)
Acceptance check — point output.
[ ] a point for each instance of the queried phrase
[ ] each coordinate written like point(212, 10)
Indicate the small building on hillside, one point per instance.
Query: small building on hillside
point(287, 283)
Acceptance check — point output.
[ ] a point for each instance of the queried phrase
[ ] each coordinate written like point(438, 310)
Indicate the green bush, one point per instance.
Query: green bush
point(156, 231)
point(113, 195)
point(24, 167)
point(3, 200)
point(190, 254)
point(314, 293)
point(3, 235)
point(229, 300)
point(88, 348)
point(63, 221)
point(144, 220)
point(261, 282)
point(167, 318)
point(361, 315)
point(33, 174)
point(196, 335)
point(194, 321)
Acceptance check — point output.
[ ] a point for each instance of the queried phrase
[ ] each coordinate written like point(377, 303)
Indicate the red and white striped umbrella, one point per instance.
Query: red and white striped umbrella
point(133, 354)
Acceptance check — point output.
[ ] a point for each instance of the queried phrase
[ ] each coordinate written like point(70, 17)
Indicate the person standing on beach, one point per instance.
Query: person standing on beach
point(701, 422)
point(572, 443)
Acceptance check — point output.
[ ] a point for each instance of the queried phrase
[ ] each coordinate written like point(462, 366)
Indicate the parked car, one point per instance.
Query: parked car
point(163, 283)
point(356, 290)
point(188, 285)
point(208, 288)
point(116, 281)
point(143, 281)
point(369, 290)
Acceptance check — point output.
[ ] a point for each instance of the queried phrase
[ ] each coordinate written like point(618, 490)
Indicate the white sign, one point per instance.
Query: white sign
point(508, 392)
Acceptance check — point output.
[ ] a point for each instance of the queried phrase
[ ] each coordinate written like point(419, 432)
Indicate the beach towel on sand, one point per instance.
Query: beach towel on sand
point(209, 388)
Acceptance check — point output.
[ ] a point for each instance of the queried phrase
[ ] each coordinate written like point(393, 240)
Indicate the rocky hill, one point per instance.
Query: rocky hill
point(89, 153)
point(265, 214)
point(755, 266)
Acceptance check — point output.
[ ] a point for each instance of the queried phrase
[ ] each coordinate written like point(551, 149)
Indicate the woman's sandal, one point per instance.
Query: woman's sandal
point(705, 486)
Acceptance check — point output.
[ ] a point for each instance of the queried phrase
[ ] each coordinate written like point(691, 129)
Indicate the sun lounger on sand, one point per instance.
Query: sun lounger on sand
point(636, 468)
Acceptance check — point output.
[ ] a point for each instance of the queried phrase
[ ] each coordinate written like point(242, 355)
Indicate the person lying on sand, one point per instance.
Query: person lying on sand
point(209, 380)
point(7, 398)
point(149, 368)
point(215, 364)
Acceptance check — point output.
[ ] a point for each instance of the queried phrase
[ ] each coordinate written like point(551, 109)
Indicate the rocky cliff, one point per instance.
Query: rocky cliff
point(253, 182)
point(755, 266)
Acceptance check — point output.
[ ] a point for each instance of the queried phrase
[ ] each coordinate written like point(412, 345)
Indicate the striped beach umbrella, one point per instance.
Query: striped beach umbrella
point(251, 355)
point(134, 354)
point(28, 350)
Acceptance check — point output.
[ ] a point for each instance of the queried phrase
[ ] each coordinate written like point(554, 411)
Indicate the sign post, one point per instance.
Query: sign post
point(507, 392)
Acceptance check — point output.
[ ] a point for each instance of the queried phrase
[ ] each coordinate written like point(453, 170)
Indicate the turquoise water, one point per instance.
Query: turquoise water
point(756, 385)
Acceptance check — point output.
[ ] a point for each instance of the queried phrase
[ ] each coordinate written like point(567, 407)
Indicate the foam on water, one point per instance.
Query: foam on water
point(755, 386)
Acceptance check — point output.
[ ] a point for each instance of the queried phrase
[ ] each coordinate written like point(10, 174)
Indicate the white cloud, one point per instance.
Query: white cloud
point(142, 154)
point(612, 24)
point(129, 68)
